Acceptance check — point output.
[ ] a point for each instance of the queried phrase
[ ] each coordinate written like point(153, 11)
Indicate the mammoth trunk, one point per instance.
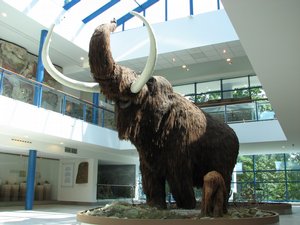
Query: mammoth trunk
point(114, 80)
point(100, 57)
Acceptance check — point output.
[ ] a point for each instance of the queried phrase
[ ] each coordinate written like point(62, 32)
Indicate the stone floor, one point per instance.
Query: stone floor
point(66, 214)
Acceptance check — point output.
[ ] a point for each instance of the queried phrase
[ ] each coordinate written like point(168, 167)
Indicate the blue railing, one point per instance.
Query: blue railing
point(21, 88)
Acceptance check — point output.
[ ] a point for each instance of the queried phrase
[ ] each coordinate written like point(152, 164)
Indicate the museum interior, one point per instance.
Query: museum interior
point(236, 60)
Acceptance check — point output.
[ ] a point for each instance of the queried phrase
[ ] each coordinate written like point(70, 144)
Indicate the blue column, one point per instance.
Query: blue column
point(1, 82)
point(95, 107)
point(191, 7)
point(40, 72)
point(30, 180)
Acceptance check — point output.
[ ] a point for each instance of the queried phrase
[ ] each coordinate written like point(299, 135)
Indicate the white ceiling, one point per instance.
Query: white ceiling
point(269, 32)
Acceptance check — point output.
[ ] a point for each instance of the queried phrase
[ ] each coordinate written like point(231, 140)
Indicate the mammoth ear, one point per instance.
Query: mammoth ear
point(152, 85)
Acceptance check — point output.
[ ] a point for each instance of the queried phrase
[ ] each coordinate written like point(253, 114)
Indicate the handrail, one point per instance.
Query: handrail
point(229, 110)
point(51, 88)
point(84, 104)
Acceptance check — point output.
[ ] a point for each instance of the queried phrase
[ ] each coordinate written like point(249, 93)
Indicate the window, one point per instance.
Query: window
point(235, 88)
point(208, 91)
point(178, 9)
point(187, 90)
point(270, 177)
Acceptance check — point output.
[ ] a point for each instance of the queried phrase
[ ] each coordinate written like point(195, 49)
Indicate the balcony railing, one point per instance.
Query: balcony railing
point(20, 88)
point(255, 110)
point(23, 89)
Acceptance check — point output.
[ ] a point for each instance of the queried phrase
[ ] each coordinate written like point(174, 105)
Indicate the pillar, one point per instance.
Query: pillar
point(30, 180)
point(95, 107)
point(40, 72)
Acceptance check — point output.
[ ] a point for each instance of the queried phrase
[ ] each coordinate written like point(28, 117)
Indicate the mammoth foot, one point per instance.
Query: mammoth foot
point(157, 204)
point(213, 195)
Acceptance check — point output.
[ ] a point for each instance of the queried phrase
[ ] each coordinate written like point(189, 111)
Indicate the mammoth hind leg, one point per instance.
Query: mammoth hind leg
point(213, 195)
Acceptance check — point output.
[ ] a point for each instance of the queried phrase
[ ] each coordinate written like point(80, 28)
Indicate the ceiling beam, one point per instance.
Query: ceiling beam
point(139, 9)
point(99, 11)
point(70, 4)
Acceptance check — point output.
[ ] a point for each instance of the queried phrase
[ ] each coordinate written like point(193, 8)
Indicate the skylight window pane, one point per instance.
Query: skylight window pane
point(178, 9)
point(202, 6)
point(45, 12)
point(85, 8)
point(221, 5)
point(116, 11)
point(19, 5)
point(130, 5)
point(72, 26)
point(156, 13)
point(133, 23)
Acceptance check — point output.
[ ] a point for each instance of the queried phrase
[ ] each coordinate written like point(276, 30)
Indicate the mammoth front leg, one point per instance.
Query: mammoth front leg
point(213, 195)
point(181, 187)
point(153, 186)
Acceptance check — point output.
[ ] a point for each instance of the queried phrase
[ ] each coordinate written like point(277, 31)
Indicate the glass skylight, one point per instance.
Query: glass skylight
point(72, 25)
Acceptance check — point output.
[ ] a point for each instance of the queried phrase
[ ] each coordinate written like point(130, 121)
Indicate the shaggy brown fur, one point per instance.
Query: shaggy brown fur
point(176, 141)
point(214, 198)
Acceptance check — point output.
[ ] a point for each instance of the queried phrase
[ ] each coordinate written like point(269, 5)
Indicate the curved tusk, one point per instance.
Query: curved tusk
point(61, 78)
point(149, 68)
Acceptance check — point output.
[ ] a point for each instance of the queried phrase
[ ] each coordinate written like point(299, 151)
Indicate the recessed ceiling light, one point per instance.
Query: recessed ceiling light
point(187, 69)
point(224, 51)
point(3, 14)
point(183, 66)
point(173, 59)
point(228, 59)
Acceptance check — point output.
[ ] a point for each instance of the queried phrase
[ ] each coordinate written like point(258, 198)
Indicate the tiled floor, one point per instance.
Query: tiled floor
point(41, 214)
point(66, 214)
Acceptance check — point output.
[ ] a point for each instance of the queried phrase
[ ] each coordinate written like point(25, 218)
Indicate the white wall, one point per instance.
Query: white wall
point(46, 129)
point(78, 192)
point(261, 131)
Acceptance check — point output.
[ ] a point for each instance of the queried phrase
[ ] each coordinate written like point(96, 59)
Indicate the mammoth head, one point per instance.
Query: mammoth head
point(93, 86)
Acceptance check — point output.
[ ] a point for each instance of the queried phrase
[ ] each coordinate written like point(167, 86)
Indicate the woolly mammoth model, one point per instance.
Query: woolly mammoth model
point(177, 142)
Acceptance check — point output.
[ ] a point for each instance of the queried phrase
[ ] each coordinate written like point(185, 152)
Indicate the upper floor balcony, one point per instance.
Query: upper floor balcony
point(238, 108)
point(84, 125)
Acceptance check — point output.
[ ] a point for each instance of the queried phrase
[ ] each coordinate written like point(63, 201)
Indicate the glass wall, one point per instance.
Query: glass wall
point(187, 90)
point(270, 177)
point(231, 100)
point(116, 181)
point(208, 91)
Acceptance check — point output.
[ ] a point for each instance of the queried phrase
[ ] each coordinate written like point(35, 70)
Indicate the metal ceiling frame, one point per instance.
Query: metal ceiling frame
point(139, 9)
point(99, 11)
point(70, 4)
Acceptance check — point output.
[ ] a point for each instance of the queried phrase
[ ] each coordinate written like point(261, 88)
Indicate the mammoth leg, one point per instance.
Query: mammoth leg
point(227, 181)
point(153, 187)
point(213, 195)
point(181, 187)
